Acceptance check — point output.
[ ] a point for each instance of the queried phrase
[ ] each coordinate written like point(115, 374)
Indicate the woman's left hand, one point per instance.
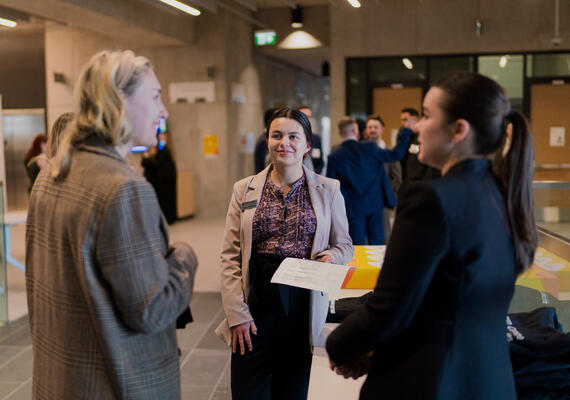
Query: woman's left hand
point(324, 258)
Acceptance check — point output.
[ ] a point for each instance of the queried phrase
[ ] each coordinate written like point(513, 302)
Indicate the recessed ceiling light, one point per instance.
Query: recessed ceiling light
point(407, 63)
point(354, 3)
point(503, 61)
point(8, 22)
point(182, 7)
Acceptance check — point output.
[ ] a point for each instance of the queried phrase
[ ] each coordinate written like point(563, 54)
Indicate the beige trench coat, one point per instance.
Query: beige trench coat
point(331, 237)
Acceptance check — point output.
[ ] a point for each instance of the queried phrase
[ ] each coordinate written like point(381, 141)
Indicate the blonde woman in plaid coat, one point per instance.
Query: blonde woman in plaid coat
point(104, 286)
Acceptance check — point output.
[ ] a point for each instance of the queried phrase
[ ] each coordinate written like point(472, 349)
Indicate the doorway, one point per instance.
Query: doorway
point(388, 102)
point(550, 121)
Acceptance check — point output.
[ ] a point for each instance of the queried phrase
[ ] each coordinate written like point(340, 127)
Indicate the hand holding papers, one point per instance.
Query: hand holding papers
point(322, 278)
point(310, 274)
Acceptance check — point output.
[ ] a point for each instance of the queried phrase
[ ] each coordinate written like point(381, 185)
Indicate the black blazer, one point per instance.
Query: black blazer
point(436, 321)
point(359, 166)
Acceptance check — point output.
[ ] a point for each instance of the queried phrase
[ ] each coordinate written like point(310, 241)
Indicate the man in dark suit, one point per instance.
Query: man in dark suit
point(260, 152)
point(359, 168)
point(316, 147)
point(412, 169)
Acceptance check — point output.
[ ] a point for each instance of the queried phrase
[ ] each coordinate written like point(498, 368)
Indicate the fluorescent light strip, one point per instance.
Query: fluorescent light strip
point(354, 3)
point(7, 22)
point(182, 7)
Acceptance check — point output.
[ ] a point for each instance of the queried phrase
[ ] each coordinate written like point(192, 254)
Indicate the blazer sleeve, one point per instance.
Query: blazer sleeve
point(150, 284)
point(419, 241)
point(340, 244)
point(399, 151)
point(233, 299)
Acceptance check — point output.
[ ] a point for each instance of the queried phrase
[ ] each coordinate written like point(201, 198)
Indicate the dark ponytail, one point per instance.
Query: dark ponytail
point(483, 103)
point(515, 173)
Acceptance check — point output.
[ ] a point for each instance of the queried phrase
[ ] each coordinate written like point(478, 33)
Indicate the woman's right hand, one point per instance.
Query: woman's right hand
point(240, 334)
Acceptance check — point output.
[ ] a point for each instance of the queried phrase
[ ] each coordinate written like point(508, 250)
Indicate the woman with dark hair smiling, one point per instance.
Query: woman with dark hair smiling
point(435, 325)
point(284, 211)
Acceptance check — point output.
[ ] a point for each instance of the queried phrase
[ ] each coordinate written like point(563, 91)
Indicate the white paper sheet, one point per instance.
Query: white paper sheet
point(310, 274)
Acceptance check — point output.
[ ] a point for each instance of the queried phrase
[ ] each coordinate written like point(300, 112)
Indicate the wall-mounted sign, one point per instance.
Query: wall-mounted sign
point(211, 146)
point(557, 136)
point(265, 38)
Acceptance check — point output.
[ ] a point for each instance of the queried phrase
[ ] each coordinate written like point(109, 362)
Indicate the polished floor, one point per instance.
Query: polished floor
point(205, 359)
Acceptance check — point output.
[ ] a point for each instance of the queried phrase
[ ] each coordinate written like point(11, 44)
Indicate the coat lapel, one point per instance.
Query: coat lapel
point(316, 192)
point(252, 194)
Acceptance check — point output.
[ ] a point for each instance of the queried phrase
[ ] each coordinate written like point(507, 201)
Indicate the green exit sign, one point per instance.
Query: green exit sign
point(265, 38)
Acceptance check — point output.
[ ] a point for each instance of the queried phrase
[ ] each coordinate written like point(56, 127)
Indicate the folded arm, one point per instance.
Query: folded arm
point(150, 284)
point(419, 241)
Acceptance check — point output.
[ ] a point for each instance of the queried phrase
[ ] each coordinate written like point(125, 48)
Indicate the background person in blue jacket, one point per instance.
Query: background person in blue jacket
point(434, 327)
point(363, 182)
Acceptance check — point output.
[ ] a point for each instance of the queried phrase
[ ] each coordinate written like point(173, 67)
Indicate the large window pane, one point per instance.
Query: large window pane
point(548, 65)
point(394, 70)
point(507, 70)
point(357, 88)
point(440, 67)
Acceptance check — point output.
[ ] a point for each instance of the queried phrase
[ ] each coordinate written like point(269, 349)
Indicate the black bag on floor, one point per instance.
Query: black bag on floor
point(339, 309)
point(540, 354)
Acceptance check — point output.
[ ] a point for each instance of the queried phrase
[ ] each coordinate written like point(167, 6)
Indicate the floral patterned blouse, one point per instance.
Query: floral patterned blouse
point(284, 225)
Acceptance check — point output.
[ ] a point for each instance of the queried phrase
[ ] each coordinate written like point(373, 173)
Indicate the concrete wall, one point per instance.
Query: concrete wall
point(189, 122)
point(411, 27)
point(67, 49)
point(22, 69)
point(223, 53)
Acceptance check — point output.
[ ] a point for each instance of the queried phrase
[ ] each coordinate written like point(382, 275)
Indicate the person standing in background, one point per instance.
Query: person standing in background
point(316, 155)
point(36, 158)
point(260, 159)
point(359, 166)
point(373, 131)
point(104, 286)
point(160, 171)
point(413, 170)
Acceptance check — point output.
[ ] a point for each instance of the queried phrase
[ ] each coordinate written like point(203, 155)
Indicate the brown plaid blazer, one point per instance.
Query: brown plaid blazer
point(104, 288)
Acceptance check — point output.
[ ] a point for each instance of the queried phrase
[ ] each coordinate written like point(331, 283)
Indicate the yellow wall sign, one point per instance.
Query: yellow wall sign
point(211, 146)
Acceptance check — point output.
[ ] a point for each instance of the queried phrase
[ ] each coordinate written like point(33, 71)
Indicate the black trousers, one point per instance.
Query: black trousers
point(279, 366)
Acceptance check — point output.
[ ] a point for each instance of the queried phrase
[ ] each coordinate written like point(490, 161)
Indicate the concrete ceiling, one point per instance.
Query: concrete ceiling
point(290, 3)
point(142, 23)
point(114, 19)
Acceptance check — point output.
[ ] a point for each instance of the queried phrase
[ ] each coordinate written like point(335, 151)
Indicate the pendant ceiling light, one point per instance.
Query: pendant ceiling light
point(299, 40)
point(296, 18)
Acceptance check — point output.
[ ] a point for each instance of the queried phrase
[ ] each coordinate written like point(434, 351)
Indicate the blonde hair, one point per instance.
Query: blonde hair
point(56, 133)
point(99, 109)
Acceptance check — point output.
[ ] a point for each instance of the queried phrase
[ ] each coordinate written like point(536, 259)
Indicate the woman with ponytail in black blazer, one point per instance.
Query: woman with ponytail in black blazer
point(435, 325)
